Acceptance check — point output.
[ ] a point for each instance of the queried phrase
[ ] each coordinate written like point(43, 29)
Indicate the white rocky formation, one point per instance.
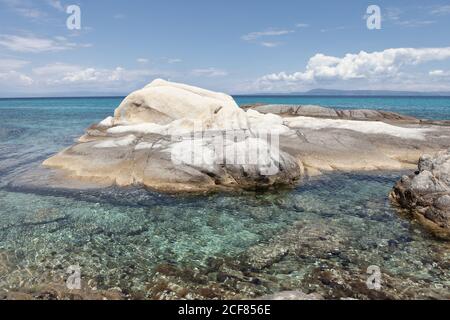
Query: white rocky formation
point(366, 127)
point(171, 108)
point(174, 137)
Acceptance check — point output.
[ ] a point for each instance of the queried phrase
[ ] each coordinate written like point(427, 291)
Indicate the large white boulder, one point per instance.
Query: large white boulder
point(149, 142)
point(162, 102)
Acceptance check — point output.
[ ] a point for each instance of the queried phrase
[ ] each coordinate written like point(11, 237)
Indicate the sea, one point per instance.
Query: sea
point(146, 245)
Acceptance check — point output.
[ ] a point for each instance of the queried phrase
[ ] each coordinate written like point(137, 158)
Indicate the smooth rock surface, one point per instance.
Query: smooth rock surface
point(162, 102)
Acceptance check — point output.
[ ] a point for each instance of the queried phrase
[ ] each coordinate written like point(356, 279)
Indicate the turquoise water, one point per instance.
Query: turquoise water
point(435, 108)
point(320, 237)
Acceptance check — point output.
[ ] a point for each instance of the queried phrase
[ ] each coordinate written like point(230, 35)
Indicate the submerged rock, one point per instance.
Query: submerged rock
point(426, 195)
point(174, 137)
point(58, 291)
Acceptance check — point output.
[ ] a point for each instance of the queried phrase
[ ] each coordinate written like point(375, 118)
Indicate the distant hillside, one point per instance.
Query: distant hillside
point(330, 92)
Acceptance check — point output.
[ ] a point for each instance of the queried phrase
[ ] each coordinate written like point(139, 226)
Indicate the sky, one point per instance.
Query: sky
point(233, 46)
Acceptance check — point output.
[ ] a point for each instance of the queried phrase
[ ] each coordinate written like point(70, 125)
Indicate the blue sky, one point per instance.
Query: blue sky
point(232, 46)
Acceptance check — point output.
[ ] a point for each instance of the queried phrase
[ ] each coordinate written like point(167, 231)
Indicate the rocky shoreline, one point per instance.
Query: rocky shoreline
point(175, 138)
point(136, 149)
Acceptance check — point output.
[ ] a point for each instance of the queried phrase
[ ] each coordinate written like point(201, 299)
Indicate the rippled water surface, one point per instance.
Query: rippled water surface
point(320, 237)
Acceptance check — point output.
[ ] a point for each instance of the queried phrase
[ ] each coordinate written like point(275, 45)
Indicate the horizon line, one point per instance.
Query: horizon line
point(412, 95)
point(310, 93)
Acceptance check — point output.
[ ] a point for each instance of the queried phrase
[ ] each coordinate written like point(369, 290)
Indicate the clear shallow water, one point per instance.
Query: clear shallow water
point(322, 236)
point(346, 224)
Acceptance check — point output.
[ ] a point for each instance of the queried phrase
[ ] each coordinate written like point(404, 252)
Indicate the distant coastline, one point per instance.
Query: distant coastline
point(338, 96)
point(266, 95)
point(356, 93)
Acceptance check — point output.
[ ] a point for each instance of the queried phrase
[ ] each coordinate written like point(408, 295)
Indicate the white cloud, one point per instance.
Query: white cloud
point(66, 78)
point(56, 4)
point(28, 9)
point(270, 44)
point(12, 64)
point(35, 44)
point(338, 28)
point(24, 8)
point(55, 69)
point(14, 78)
point(439, 73)
point(269, 33)
point(10, 77)
point(415, 23)
point(209, 72)
point(119, 16)
point(363, 65)
point(254, 36)
point(116, 75)
point(392, 14)
point(86, 75)
point(397, 16)
point(174, 60)
point(162, 60)
point(59, 73)
point(441, 10)
point(302, 25)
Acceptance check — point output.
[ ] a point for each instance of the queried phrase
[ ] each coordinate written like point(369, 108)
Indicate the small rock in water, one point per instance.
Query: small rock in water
point(426, 195)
